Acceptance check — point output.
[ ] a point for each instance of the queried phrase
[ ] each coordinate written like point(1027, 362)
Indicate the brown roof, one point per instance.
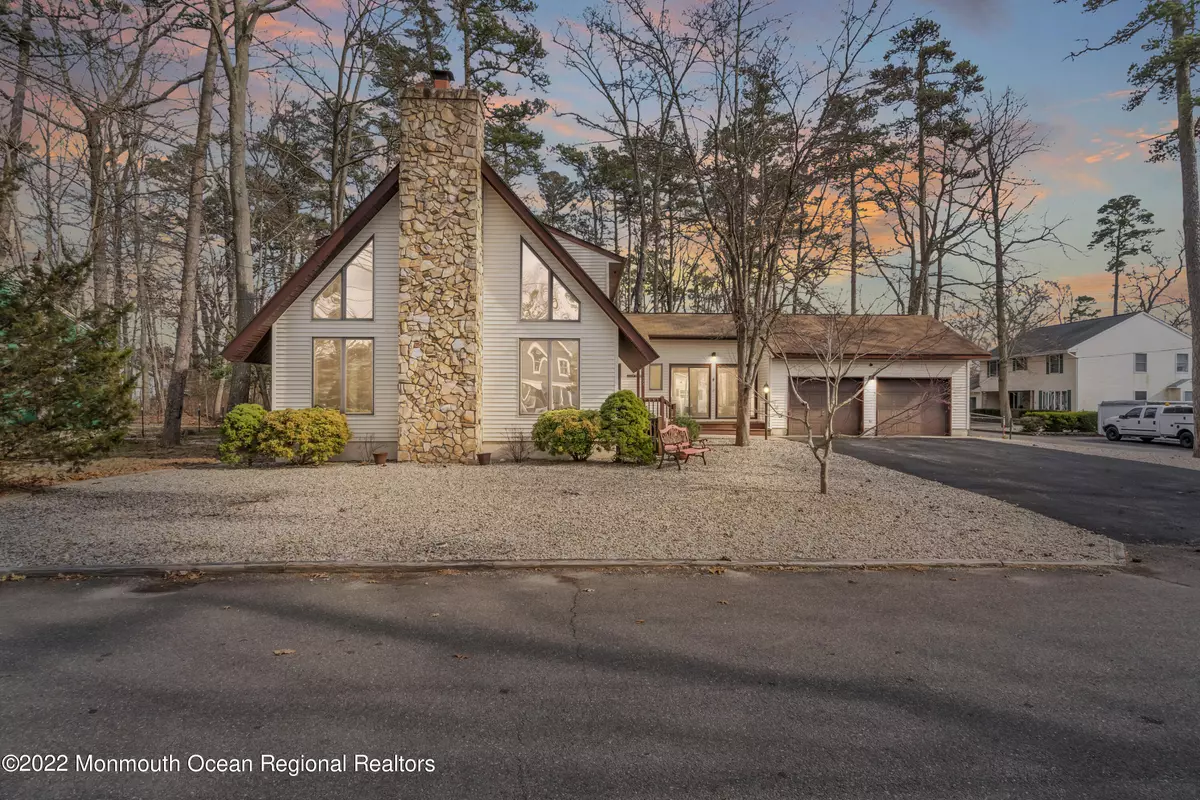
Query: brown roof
point(811, 334)
point(252, 343)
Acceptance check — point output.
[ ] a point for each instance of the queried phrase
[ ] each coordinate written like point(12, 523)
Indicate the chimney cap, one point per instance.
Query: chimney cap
point(442, 78)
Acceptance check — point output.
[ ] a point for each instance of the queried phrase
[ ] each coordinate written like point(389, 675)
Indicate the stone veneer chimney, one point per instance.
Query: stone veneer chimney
point(441, 231)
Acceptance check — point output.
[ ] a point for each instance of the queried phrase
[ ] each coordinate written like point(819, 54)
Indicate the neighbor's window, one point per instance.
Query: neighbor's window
point(543, 296)
point(1187, 396)
point(1139, 396)
point(1020, 365)
point(690, 390)
point(727, 388)
point(549, 375)
point(344, 375)
point(351, 293)
point(1139, 362)
point(1054, 364)
point(993, 368)
point(1181, 362)
point(654, 378)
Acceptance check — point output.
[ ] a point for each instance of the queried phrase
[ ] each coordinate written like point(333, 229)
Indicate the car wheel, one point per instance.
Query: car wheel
point(1147, 439)
point(1187, 439)
point(1112, 434)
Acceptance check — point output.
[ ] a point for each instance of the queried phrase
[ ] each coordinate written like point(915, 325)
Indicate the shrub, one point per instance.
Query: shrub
point(1088, 422)
point(517, 444)
point(685, 421)
point(1063, 421)
point(1031, 423)
point(625, 427)
point(568, 431)
point(240, 431)
point(304, 435)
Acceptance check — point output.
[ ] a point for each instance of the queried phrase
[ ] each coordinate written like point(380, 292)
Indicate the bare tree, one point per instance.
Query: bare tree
point(1155, 287)
point(10, 152)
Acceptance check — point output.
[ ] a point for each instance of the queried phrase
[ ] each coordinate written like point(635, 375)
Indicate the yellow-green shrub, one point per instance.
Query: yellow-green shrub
point(568, 431)
point(304, 435)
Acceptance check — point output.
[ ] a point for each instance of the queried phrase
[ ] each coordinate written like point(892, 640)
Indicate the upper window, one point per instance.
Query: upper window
point(1139, 395)
point(654, 377)
point(1054, 364)
point(1181, 362)
point(351, 293)
point(1139, 362)
point(344, 375)
point(544, 296)
point(549, 375)
point(1020, 365)
point(993, 367)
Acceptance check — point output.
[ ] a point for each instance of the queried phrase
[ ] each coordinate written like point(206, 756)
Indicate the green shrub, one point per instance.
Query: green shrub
point(240, 431)
point(568, 431)
point(625, 428)
point(304, 435)
point(1088, 421)
point(1031, 423)
point(1063, 421)
point(685, 421)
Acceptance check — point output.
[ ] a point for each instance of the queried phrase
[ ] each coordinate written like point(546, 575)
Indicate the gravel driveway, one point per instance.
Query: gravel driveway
point(757, 503)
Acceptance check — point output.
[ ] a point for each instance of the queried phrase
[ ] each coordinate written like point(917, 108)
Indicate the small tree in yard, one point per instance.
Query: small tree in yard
point(830, 348)
point(63, 396)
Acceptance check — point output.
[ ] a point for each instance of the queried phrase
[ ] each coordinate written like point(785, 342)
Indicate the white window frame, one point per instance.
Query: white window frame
point(1143, 360)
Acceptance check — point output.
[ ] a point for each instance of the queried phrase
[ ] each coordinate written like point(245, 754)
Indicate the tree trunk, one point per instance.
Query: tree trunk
point(1001, 309)
point(98, 237)
point(828, 448)
point(1191, 191)
point(1117, 287)
point(239, 388)
point(16, 125)
point(186, 328)
point(853, 244)
point(745, 384)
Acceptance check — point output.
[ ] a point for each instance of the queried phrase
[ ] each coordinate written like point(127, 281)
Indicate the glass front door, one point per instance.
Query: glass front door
point(690, 390)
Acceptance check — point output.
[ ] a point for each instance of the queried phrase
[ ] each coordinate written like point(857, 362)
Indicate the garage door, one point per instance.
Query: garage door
point(913, 407)
point(848, 419)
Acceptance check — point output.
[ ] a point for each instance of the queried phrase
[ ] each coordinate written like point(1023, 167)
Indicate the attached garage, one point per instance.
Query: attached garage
point(847, 421)
point(913, 407)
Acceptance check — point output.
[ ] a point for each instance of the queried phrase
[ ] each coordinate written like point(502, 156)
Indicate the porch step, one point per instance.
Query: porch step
point(725, 428)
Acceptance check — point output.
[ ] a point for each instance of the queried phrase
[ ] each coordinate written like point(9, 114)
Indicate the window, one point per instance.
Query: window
point(1139, 362)
point(1054, 401)
point(1020, 364)
point(993, 368)
point(549, 375)
point(344, 375)
point(1177, 410)
point(1139, 396)
point(1187, 396)
point(1133, 413)
point(1150, 413)
point(654, 378)
point(351, 293)
point(543, 296)
point(1054, 364)
point(1181, 362)
point(727, 391)
point(690, 390)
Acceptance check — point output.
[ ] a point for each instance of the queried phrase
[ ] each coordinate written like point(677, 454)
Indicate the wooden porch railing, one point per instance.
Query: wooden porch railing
point(662, 411)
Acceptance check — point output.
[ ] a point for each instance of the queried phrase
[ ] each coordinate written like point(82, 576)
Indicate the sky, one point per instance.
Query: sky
point(1095, 146)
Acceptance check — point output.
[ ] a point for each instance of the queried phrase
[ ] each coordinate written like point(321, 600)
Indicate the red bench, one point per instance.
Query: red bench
point(675, 442)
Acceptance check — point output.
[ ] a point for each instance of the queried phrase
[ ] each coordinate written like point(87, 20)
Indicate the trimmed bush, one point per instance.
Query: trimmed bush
point(1089, 421)
point(685, 421)
point(1063, 421)
point(567, 431)
point(1033, 424)
point(240, 432)
point(625, 428)
point(304, 435)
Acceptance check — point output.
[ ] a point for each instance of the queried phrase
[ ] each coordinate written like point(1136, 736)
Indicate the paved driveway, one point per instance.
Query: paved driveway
point(1128, 500)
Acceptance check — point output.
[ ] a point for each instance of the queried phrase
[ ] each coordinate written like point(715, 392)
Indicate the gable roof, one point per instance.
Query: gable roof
point(253, 342)
point(883, 335)
point(1058, 338)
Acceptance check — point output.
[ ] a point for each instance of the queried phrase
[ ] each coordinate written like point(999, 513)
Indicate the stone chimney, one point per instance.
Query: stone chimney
point(441, 230)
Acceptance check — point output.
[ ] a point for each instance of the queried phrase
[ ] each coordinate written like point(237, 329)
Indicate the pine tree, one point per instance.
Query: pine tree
point(64, 398)
point(1122, 227)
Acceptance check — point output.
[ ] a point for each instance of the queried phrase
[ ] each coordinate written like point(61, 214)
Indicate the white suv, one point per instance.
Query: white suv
point(1150, 422)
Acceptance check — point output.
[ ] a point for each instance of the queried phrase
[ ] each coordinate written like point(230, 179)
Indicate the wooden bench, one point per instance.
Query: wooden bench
point(675, 442)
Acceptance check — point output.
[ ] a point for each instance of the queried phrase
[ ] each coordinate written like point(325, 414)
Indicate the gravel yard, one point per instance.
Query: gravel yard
point(758, 503)
point(1162, 452)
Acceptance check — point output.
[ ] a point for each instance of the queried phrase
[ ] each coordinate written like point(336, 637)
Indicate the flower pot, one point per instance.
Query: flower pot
point(484, 458)
point(380, 458)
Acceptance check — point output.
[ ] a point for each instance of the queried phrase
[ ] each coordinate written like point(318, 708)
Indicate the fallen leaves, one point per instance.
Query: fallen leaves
point(284, 652)
point(640, 621)
point(461, 656)
point(722, 602)
point(11, 576)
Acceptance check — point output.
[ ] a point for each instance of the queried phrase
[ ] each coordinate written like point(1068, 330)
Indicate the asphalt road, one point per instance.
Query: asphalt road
point(1131, 501)
point(906, 684)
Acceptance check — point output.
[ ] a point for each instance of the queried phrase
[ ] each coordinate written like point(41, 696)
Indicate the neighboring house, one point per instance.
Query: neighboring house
point(1075, 366)
point(441, 316)
point(915, 371)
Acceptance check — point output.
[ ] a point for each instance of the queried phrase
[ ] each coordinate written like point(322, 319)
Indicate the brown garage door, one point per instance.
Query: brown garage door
point(848, 419)
point(913, 407)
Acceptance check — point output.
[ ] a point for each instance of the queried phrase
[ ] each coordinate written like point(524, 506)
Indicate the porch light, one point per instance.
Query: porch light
point(766, 389)
point(713, 357)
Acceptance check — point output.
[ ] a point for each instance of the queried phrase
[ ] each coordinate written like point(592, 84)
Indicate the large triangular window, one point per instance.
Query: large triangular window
point(351, 293)
point(543, 295)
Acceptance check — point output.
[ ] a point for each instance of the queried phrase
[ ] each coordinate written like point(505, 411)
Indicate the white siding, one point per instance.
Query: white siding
point(293, 332)
point(956, 371)
point(503, 327)
point(1106, 361)
point(687, 351)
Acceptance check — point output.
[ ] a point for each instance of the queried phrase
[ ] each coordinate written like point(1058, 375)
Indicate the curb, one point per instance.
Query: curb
point(278, 567)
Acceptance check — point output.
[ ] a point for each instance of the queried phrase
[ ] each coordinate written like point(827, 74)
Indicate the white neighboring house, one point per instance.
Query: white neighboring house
point(1075, 366)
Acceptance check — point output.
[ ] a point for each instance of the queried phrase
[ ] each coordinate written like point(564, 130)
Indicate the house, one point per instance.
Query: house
point(904, 375)
point(1075, 366)
point(442, 316)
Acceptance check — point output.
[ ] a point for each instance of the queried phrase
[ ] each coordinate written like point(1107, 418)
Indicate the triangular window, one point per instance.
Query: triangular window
point(543, 295)
point(350, 294)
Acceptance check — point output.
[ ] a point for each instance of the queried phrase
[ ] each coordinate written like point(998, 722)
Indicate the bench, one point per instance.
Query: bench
point(675, 442)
